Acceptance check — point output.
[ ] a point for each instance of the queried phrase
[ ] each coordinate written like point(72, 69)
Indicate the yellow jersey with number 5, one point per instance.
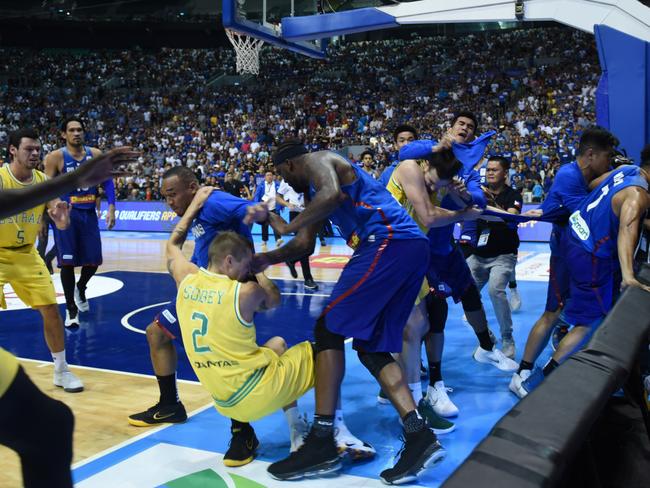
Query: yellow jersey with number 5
point(21, 230)
point(219, 343)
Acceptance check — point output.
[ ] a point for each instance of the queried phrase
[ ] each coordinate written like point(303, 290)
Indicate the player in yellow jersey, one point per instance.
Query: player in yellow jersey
point(20, 264)
point(27, 416)
point(419, 187)
point(215, 310)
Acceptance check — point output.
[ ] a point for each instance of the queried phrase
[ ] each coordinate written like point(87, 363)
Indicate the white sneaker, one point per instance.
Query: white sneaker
point(70, 320)
point(508, 348)
point(517, 380)
point(279, 243)
point(347, 443)
point(496, 358)
point(82, 305)
point(515, 299)
point(68, 381)
point(439, 400)
point(298, 433)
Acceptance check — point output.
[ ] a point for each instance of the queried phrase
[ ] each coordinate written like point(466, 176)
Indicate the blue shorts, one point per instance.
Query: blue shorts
point(557, 292)
point(450, 270)
point(80, 244)
point(375, 293)
point(593, 286)
point(167, 320)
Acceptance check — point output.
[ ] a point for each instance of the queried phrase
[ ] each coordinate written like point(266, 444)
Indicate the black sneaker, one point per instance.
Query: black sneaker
point(420, 451)
point(310, 284)
point(316, 457)
point(243, 445)
point(159, 414)
point(292, 269)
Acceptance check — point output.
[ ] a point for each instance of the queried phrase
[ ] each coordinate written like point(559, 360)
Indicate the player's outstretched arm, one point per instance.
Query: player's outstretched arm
point(633, 203)
point(256, 297)
point(91, 173)
point(177, 264)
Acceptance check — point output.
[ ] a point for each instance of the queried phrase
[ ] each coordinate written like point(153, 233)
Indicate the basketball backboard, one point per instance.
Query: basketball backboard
point(263, 19)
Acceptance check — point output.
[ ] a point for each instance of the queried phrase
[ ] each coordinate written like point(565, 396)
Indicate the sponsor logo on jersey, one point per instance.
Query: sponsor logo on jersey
point(579, 226)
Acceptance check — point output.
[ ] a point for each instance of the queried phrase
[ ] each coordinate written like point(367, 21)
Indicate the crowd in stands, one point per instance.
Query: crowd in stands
point(535, 87)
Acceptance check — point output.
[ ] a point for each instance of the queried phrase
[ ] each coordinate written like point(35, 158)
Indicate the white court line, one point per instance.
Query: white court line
point(91, 368)
point(133, 439)
point(125, 320)
point(306, 294)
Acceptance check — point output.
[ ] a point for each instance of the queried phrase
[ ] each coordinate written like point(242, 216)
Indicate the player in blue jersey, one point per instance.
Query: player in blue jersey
point(80, 244)
point(402, 135)
point(570, 188)
point(599, 246)
point(449, 274)
point(370, 302)
point(221, 212)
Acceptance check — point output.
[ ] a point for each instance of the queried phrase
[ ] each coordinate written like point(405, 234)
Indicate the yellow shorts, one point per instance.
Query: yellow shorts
point(25, 271)
point(424, 291)
point(286, 379)
point(8, 370)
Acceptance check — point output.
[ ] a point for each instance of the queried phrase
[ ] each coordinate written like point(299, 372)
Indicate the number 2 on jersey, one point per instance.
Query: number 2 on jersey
point(200, 332)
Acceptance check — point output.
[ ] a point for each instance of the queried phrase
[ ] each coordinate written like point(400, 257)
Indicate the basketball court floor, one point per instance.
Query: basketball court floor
point(111, 351)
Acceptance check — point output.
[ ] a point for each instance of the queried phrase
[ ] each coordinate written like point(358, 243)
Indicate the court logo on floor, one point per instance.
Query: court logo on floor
point(165, 465)
point(97, 286)
point(335, 261)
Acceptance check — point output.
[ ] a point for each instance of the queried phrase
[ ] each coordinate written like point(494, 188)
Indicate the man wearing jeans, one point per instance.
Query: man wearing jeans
point(495, 256)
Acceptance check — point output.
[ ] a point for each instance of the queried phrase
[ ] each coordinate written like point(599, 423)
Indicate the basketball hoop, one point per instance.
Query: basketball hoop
point(247, 49)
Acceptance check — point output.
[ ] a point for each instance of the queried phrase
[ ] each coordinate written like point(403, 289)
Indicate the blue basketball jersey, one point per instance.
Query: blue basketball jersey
point(595, 225)
point(221, 211)
point(370, 213)
point(568, 191)
point(83, 198)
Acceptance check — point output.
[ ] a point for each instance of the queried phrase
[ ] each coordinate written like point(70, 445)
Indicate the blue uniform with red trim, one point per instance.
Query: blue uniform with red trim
point(375, 293)
point(80, 244)
point(591, 249)
point(567, 193)
point(220, 212)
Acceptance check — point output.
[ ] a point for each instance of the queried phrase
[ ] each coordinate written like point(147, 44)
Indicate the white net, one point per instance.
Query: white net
point(247, 49)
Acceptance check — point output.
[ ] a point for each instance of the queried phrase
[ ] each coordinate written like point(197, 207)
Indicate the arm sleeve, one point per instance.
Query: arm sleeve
point(109, 188)
point(416, 150)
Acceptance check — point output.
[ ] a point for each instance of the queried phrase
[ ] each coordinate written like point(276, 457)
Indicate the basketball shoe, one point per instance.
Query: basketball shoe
point(420, 451)
point(348, 444)
point(68, 381)
point(440, 401)
point(71, 318)
point(243, 445)
point(435, 421)
point(496, 358)
point(159, 414)
point(316, 457)
point(80, 300)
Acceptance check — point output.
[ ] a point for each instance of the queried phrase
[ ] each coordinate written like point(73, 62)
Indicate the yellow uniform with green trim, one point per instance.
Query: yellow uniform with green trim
point(399, 194)
point(20, 264)
point(246, 381)
point(8, 370)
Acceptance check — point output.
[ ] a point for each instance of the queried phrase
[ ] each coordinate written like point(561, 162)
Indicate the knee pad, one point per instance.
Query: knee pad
point(437, 310)
point(471, 299)
point(375, 361)
point(325, 339)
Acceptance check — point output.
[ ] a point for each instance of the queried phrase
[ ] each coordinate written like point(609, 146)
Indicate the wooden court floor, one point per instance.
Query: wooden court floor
point(101, 410)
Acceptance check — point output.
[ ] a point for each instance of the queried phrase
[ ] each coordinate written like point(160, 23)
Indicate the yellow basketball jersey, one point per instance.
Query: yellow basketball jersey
point(400, 195)
point(219, 343)
point(8, 370)
point(21, 230)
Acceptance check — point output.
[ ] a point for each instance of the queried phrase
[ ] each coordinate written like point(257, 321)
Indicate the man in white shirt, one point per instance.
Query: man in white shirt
point(267, 193)
point(295, 202)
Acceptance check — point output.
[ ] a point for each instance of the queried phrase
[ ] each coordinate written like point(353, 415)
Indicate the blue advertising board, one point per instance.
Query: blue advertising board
point(158, 217)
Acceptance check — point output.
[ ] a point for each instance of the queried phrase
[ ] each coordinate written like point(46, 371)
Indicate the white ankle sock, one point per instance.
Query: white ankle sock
point(416, 390)
point(59, 361)
point(293, 416)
